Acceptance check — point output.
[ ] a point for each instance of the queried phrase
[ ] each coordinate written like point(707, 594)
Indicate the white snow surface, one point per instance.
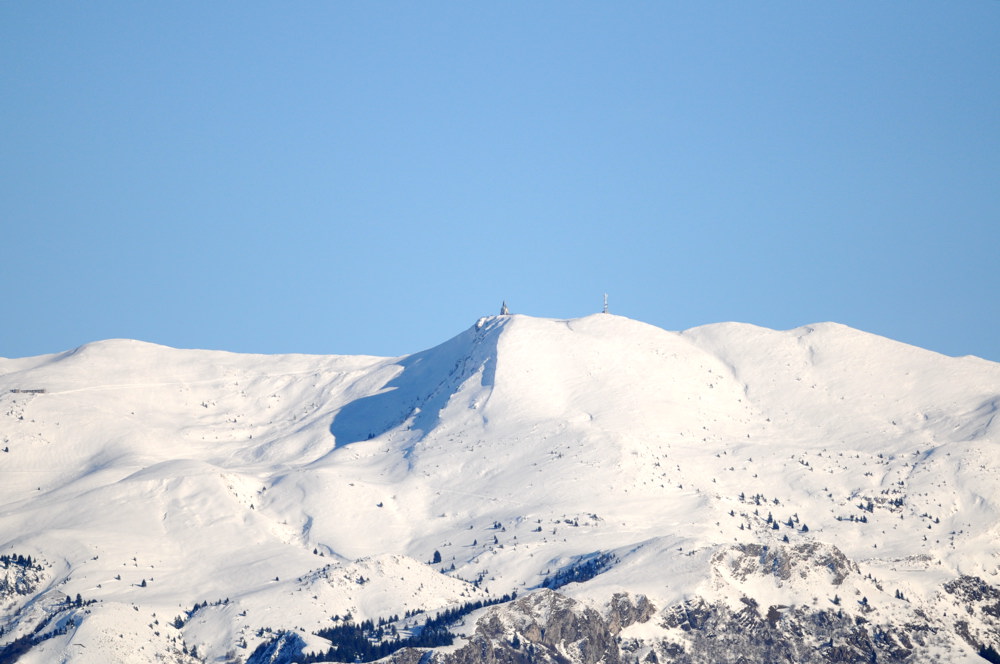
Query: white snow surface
point(152, 479)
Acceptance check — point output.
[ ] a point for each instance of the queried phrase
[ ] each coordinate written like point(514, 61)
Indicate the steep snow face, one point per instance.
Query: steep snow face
point(597, 455)
point(414, 390)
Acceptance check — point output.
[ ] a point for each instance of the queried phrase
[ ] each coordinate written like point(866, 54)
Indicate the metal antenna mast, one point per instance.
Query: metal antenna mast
point(605, 303)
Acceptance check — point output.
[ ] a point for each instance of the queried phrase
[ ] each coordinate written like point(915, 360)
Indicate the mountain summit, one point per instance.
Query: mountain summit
point(819, 494)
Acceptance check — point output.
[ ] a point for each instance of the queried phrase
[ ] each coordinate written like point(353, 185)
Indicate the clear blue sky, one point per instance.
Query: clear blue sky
point(371, 177)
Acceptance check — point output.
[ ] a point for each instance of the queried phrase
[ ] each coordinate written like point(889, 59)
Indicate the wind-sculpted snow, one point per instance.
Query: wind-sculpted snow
point(820, 493)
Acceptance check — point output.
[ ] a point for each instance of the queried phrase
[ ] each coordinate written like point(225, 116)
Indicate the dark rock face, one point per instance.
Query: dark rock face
point(714, 633)
point(626, 610)
point(549, 628)
point(981, 626)
point(975, 592)
point(544, 627)
point(552, 629)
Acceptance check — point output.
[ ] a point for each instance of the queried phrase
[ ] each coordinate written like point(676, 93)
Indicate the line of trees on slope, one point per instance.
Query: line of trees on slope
point(366, 641)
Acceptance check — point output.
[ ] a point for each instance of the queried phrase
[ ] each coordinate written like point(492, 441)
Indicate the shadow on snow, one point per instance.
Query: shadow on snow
point(422, 387)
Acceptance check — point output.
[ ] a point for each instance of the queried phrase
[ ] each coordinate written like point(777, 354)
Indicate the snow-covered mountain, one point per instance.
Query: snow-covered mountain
point(817, 494)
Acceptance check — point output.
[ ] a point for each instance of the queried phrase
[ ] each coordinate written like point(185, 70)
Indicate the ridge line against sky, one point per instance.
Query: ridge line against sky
point(371, 179)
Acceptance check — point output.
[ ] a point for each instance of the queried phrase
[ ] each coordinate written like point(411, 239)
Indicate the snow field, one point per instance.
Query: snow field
point(516, 450)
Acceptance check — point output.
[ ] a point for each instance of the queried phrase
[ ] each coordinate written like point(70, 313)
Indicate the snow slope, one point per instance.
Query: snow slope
point(274, 492)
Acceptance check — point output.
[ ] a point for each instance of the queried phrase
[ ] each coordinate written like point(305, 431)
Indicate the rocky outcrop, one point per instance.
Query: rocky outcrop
point(714, 633)
point(976, 593)
point(549, 628)
point(625, 610)
point(545, 628)
point(19, 577)
point(806, 561)
point(980, 626)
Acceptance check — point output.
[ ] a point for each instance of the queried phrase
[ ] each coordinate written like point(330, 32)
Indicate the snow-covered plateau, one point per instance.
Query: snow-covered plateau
point(532, 490)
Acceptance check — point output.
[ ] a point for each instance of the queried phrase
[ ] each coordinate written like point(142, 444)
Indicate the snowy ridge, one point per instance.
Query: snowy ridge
point(729, 469)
